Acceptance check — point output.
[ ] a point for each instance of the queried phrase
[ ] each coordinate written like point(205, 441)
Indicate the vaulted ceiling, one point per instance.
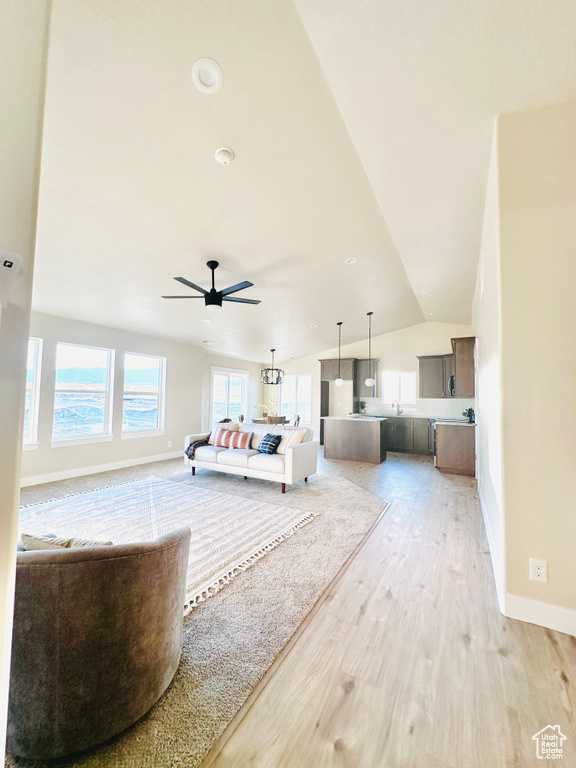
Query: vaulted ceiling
point(360, 128)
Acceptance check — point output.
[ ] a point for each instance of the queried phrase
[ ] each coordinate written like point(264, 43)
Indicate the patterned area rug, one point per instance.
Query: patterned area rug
point(229, 533)
point(232, 639)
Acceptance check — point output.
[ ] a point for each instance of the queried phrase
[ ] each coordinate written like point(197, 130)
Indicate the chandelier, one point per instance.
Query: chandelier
point(272, 375)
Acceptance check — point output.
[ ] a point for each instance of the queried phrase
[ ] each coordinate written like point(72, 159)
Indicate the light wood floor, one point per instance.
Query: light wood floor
point(407, 662)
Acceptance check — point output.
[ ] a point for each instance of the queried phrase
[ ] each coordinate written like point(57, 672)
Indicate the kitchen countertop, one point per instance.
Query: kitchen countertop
point(455, 423)
point(354, 418)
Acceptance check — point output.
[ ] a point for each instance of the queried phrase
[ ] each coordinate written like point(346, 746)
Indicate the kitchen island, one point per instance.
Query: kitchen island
point(355, 438)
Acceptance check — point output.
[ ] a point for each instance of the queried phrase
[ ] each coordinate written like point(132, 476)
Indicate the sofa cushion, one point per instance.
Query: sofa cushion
point(229, 439)
point(290, 437)
point(236, 457)
point(30, 542)
point(208, 452)
point(269, 443)
point(267, 462)
point(231, 425)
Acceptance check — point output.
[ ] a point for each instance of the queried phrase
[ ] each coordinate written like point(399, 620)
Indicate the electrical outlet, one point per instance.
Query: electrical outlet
point(538, 570)
point(169, 443)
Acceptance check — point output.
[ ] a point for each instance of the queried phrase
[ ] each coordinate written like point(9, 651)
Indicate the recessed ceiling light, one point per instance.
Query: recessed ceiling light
point(314, 325)
point(430, 313)
point(421, 293)
point(207, 76)
point(205, 321)
point(208, 343)
point(351, 260)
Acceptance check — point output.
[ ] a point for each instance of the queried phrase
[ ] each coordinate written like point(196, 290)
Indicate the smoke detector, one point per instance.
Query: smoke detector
point(224, 155)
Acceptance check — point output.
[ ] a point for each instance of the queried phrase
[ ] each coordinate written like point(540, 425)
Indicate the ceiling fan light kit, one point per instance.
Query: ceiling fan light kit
point(339, 381)
point(272, 375)
point(370, 382)
point(214, 298)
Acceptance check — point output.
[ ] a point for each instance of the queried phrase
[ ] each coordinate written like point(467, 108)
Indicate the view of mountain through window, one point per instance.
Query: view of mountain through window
point(82, 400)
point(143, 393)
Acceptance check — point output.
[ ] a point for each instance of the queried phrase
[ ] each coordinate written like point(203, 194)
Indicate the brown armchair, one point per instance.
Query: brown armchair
point(96, 641)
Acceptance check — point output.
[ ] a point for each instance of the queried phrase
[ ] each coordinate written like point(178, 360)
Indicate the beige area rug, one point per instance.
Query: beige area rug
point(229, 534)
point(232, 639)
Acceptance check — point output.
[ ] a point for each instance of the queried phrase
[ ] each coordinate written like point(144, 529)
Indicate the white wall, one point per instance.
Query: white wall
point(396, 351)
point(22, 63)
point(538, 264)
point(188, 380)
point(486, 318)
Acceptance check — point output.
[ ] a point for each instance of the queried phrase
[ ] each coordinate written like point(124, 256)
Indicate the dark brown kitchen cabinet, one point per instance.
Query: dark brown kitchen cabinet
point(407, 434)
point(449, 375)
point(455, 449)
point(432, 376)
point(422, 436)
point(436, 373)
point(329, 369)
point(464, 366)
point(364, 369)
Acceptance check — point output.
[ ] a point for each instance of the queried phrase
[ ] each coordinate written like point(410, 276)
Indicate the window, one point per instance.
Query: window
point(296, 396)
point(82, 400)
point(143, 405)
point(229, 390)
point(33, 367)
point(399, 385)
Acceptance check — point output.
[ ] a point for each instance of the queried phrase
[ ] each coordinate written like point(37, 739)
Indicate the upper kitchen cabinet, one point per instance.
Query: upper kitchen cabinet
point(464, 366)
point(449, 375)
point(364, 369)
point(431, 376)
point(329, 369)
point(436, 376)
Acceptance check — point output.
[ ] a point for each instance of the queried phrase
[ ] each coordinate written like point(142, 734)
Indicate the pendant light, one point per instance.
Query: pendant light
point(339, 381)
point(272, 375)
point(370, 382)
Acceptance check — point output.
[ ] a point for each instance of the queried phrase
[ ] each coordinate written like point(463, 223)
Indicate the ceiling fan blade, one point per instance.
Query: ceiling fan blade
point(237, 287)
point(241, 301)
point(182, 297)
point(190, 285)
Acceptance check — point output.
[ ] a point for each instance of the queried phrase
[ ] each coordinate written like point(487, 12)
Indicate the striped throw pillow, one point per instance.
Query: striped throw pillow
point(227, 439)
point(269, 443)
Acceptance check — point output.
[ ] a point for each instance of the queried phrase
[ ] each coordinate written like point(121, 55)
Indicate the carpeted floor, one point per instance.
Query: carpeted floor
point(233, 638)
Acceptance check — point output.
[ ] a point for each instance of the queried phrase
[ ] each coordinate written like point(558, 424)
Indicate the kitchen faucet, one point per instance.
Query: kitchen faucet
point(398, 409)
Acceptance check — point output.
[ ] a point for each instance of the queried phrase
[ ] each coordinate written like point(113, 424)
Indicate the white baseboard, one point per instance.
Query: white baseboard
point(544, 614)
point(82, 471)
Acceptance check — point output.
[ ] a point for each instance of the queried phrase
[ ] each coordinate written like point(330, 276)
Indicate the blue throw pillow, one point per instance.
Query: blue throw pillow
point(269, 443)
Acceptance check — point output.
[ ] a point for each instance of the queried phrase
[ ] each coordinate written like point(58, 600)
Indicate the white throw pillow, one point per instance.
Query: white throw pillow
point(231, 425)
point(290, 437)
point(30, 542)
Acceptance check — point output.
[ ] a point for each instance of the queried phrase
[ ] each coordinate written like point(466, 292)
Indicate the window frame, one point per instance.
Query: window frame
point(229, 372)
point(297, 376)
point(161, 397)
point(81, 437)
point(34, 389)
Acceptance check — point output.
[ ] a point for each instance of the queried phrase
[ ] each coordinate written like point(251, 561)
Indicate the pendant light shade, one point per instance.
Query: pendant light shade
point(272, 375)
point(339, 381)
point(370, 382)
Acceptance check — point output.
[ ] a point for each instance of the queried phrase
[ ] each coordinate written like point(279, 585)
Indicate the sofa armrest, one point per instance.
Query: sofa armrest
point(190, 439)
point(301, 461)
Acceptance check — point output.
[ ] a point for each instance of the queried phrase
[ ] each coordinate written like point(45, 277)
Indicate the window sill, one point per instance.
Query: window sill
point(68, 442)
point(30, 446)
point(143, 433)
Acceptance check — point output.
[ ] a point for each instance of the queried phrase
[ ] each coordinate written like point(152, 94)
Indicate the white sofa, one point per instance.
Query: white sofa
point(298, 461)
